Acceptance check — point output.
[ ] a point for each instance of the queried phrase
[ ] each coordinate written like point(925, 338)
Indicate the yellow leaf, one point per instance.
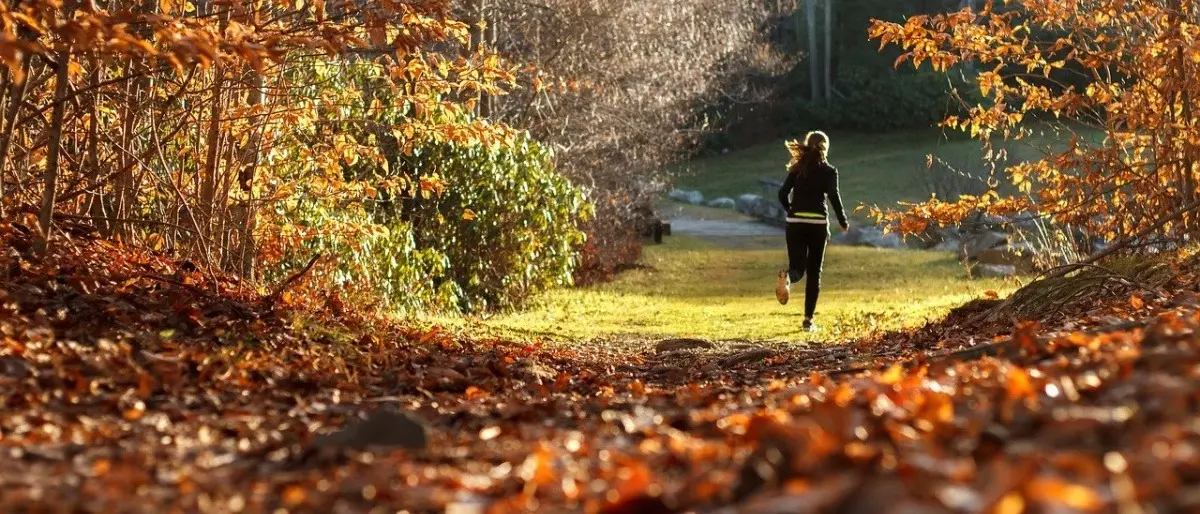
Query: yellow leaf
point(1136, 302)
point(893, 375)
point(468, 215)
point(1011, 503)
point(155, 241)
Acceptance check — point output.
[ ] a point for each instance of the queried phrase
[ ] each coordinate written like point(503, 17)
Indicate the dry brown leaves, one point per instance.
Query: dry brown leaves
point(128, 387)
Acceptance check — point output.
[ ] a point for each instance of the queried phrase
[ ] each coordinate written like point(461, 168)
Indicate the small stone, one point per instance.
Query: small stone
point(995, 271)
point(15, 367)
point(755, 355)
point(538, 372)
point(674, 345)
point(722, 203)
point(445, 379)
point(747, 203)
point(685, 196)
point(383, 428)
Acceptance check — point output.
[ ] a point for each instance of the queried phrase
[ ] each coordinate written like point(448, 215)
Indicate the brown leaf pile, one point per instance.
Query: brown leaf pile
point(128, 385)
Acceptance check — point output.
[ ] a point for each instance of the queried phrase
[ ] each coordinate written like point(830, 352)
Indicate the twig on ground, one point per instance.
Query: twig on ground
point(270, 299)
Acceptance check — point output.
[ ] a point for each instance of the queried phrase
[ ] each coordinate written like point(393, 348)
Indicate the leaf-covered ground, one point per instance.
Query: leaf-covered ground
point(129, 386)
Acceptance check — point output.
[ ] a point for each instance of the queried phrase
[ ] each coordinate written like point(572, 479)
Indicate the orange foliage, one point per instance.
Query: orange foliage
point(186, 125)
point(1139, 59)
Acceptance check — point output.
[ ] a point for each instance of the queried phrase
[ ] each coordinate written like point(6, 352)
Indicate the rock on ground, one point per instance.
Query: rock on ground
point(723, 203)
point(871, 237)
point(997, 249)
point(673, 345)
point(685, 196)
point(995, 270)
point(949, 245)
point(975, 244)
point(383, 428)
point(723, 228)
point(538, 372)
point(745, 204)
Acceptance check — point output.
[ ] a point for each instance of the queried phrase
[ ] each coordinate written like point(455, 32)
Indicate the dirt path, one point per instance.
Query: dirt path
point(723, 228)
point(714, 223)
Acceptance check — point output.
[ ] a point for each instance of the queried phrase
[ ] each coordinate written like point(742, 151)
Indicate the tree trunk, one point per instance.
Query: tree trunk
point(208, 177)
point(247, 211)
point(479, 36)
point(488, 102)
point(968, 64)
point(123, 195)
point(828, 50)
point(50, 191)
point(95, 197)
point(125, 191)
point(814, 64)
point(798, 28)
point(1190, 224)
point(16, 98)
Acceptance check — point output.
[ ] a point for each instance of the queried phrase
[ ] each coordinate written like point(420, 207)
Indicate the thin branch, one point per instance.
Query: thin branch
point(270, 300)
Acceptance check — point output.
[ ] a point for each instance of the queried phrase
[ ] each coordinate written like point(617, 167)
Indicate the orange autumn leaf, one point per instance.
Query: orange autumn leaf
point(1074, 496)
point(1136, 302)
point(1018, 384)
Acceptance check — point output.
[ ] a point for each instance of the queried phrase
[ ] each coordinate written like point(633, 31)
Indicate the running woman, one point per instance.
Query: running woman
point(810, 180)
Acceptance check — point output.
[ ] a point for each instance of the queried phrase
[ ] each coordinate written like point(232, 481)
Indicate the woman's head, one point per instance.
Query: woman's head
point(814, 149)
point(819, 142)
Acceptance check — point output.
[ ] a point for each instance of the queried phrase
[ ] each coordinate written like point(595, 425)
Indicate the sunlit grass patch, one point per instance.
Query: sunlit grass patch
point(694, 287)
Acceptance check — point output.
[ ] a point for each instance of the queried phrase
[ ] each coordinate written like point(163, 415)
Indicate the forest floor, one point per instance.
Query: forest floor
point(134, 383)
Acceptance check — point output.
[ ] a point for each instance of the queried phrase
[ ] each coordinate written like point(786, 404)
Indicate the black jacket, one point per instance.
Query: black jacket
point(808, 192)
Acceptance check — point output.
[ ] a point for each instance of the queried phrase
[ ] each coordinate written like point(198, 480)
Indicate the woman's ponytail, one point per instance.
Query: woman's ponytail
point(807, 155)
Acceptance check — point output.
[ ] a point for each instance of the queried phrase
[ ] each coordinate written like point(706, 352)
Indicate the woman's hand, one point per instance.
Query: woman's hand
point(846, 227)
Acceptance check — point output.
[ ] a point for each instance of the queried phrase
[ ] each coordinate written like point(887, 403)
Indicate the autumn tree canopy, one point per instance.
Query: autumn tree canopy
point(1116, 77)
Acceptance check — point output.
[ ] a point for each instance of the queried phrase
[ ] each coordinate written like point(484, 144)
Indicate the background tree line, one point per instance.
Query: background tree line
point(842, 80)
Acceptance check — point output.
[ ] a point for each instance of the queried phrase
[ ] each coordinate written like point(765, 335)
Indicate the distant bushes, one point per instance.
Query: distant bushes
point(877, 102)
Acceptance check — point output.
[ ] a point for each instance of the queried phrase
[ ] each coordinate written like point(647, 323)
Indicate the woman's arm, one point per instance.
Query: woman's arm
point(835, 197)
point(788, 184)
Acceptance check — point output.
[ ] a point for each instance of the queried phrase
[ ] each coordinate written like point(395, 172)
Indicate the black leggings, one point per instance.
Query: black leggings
point(806, 251)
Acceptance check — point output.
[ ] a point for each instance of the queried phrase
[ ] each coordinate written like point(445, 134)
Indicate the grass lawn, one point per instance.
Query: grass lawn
point(875, 169)
point(725, 291)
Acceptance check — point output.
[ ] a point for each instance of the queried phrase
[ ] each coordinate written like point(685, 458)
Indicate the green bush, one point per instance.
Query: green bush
point(505, 226)
point(524, 234)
